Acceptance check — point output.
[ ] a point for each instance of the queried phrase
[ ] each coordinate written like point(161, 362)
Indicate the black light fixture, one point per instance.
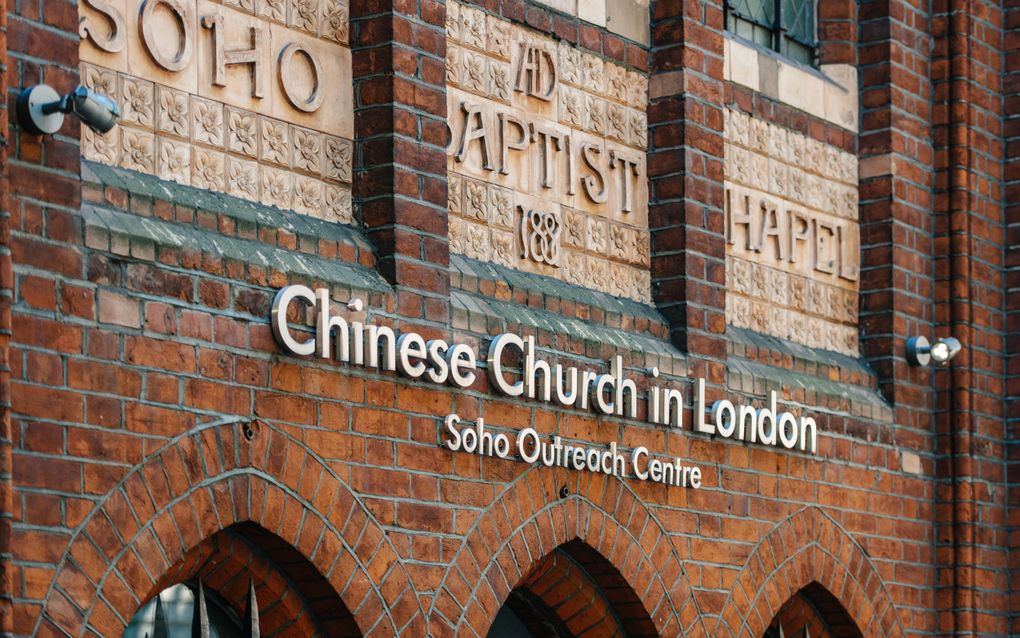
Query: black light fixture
point(41, 109)
point(920, 352)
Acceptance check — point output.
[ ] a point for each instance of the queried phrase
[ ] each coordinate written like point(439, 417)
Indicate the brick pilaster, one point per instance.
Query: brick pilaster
point(966, 73)
point(1011, 129)
point(6, 299)
point(896, 158)
point(685, 169)
point(399, 52)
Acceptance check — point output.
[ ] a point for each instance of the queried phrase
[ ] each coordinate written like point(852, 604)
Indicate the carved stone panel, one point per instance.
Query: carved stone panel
point(793, 239)
point(251, 98)
point(548, 143)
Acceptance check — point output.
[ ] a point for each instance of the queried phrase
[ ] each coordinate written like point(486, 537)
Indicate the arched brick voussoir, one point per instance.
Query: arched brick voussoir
point(808, 547)
point(530, 518)
point(202, 482)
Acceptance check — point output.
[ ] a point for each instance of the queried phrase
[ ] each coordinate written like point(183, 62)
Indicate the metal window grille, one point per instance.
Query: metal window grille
point(785, 26)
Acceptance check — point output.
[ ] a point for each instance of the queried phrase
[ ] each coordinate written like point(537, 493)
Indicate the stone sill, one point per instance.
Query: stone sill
point(829, 93)
point(137, 216)
point(757, 359)
point(627, 18)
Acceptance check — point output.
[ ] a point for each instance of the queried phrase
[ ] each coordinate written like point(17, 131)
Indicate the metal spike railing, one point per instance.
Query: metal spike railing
point(200, 626)
point(251, 614)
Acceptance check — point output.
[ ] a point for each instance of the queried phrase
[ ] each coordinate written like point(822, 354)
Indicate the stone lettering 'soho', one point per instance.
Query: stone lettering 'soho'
point(183, 38)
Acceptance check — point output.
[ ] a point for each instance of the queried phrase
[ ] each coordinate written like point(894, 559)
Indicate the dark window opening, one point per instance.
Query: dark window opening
point(785, 26)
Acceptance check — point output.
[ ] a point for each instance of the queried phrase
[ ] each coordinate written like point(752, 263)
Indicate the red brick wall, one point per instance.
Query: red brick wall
point(152, 409)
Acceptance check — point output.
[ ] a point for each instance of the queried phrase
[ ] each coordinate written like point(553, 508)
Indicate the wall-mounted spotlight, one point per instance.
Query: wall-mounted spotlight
point(41, 110)
point(920, 352)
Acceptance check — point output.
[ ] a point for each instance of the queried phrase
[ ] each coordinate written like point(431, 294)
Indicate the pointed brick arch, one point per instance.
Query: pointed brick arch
point(530, 519)
point(202, 482)
point(808, 548)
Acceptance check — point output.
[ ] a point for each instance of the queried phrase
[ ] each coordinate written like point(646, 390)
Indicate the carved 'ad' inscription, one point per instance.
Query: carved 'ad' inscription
point(793, 239)
point(249, 98)
point(555, 135)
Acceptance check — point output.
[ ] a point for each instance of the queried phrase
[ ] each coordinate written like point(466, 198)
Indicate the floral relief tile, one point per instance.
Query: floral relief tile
point(619, 281)
point(99, 79)
point(304, 15)
point(500, 38)
point(598, 236)
point(101, 148)
point(137, 102)
point(573, 228)
point(248, 6)
point(455, 188)
point(617, 121)
point(596, 114)
point(307, 149)
point(457, 239)
point(478, 244)
point(472, 28)
point(242, 132)
point(779, 293)
point(207, 122)
point(207, 169)
point(476, 201)
point(569, 64)
point(453, 20)
point(174, 160)
point(574, 268)
point(638, 129)
point(738, 311)
point(643, 241)
point(499, 81)
point(637, 90)
point(642, 285)
point(243, 178)
point(172, 112)
point(453, 54)
point(503, 248)
point(338, 159)
point(336, 20)
point(138, 150)
point(501, 209)
point(275, 139)
point(276, 187)
point(598, 272)
point(473, 72)
point(338, 204)
point(616, 81)
point(273, 9)
point(593, 70)
point(621, 242)
point(740, 277)
point(308, 196)
point(572, 107)
point(759, 281)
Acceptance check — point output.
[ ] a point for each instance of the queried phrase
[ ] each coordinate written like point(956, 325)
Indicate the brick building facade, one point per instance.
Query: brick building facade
point(156, 432)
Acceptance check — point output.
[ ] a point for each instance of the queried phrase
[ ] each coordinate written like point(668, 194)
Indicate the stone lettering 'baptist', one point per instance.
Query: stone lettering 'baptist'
point(588, 169)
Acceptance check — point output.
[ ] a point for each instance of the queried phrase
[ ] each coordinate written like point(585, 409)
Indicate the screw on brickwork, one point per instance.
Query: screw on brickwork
point(250, 430)
point(564, 492)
